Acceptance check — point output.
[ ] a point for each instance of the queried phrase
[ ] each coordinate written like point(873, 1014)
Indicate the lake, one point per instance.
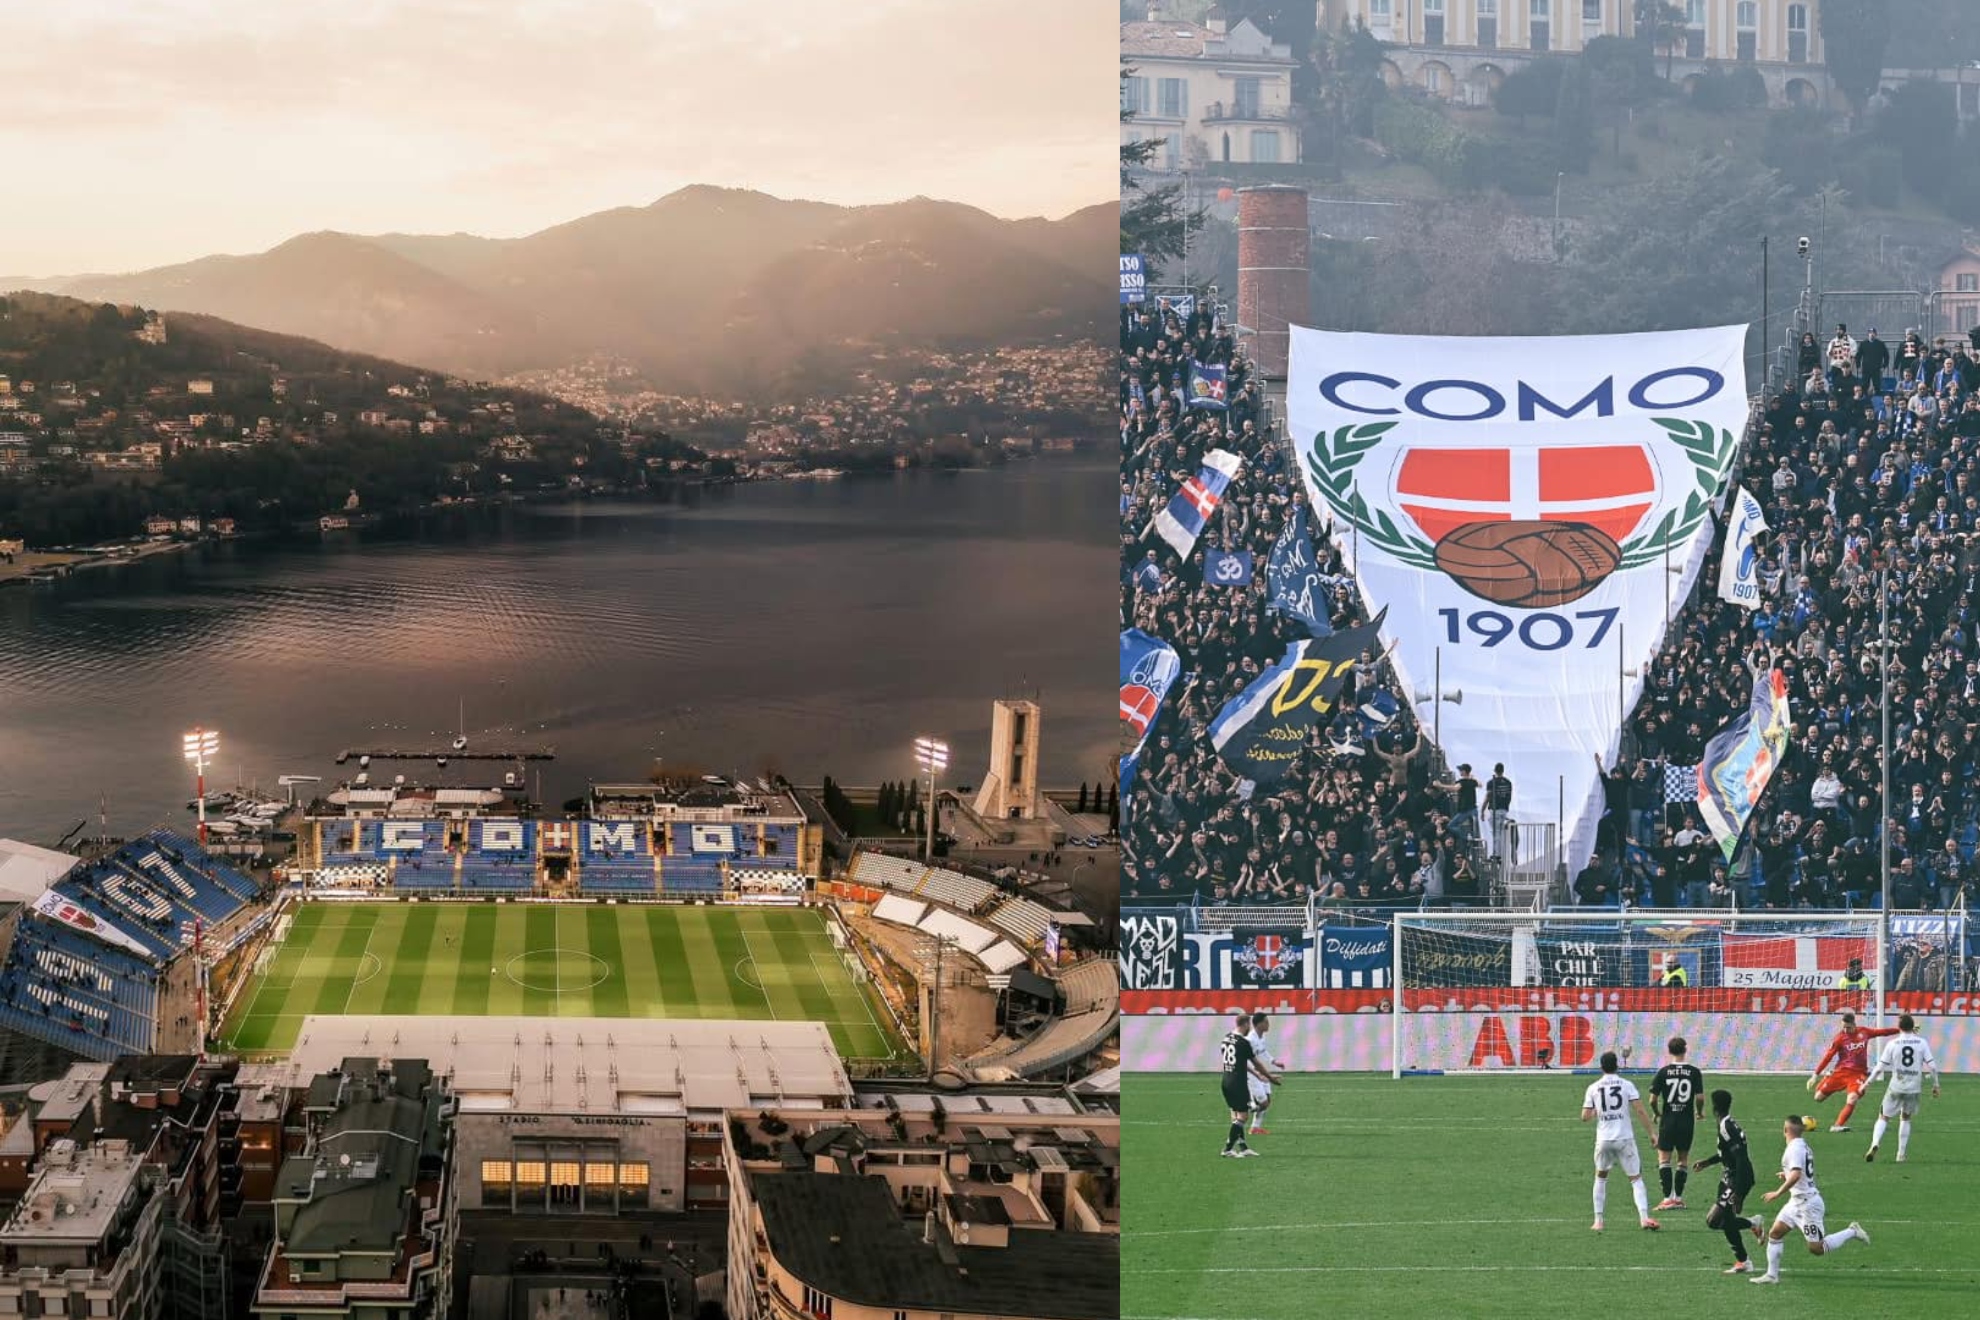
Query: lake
point(812, 627)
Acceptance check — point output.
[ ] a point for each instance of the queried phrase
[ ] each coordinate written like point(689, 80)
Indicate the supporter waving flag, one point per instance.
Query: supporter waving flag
point(1741, 758)
point(1293, 577)
point(1738, 580)
point(1208, 387)
point(1149, 668)
point(1260, 732)
point(1183, 521)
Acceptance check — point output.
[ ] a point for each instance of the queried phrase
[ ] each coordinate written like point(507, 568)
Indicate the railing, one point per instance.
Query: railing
point(1218, 112)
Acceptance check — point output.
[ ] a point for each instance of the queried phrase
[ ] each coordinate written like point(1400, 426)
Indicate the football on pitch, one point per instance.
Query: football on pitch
point(1808, 1121)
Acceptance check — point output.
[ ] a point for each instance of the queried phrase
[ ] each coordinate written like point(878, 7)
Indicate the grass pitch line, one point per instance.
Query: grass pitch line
point(1134, 1234)
point(351, 989)
point(758, 963)
point(1900, 1271)
point(750, 962)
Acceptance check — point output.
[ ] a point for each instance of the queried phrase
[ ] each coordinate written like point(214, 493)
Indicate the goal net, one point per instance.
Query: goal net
point(1482, 992)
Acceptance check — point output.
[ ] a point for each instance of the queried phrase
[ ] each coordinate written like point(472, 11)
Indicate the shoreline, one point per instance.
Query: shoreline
point(30, 564)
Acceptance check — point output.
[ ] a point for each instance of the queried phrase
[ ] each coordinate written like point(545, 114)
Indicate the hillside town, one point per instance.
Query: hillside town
point(903, 408)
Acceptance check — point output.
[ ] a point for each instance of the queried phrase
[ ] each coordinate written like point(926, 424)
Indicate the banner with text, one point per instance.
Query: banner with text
point(1514, 504)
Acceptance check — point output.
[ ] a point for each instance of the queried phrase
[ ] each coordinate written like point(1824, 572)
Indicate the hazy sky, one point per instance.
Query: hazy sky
point(140, 132)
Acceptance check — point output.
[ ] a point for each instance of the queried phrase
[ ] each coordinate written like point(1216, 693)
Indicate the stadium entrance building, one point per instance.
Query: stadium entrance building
point(594, 1116)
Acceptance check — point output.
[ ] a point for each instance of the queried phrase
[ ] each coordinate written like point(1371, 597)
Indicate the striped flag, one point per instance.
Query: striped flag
point(1183, 521)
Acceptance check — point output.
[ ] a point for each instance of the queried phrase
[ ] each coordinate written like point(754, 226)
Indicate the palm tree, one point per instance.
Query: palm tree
point(1662, 23)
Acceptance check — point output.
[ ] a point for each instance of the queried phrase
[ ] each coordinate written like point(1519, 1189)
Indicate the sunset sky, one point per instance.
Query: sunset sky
point(142, 132)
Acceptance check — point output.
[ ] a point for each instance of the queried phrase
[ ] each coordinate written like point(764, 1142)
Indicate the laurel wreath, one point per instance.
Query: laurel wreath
point(1334, 459)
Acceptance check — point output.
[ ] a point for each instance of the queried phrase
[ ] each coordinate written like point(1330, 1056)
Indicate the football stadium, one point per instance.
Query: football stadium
point(1496, 718)
point(554, 960)
point(699, 902)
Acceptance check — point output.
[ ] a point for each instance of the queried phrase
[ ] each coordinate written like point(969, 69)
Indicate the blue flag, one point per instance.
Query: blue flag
point(1149, 668)
point(1147, 577)
point(1207, 386)
point(1741, 758)
point(1292, 577)
point(1261, 730)
point(1227, 568)
point(1182, 522)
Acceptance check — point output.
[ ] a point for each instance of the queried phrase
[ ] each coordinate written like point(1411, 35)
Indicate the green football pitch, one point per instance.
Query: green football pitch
point(1460, 1197)
point(556, 960)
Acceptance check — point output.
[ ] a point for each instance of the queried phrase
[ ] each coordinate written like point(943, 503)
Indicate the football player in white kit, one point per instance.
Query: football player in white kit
point(1804, 1208)
point(1261, 1090)
point(1906, 1058)
point(1608, 1102)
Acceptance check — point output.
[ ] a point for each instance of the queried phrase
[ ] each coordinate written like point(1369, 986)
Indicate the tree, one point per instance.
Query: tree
point(1622, 76)
point(1661, 23)
point(1679, 251)
point(1533, 90)
point(1574, 119)
point(1920, 125)
point(1855, 34)
point(1351, 85)
point(1154, 222)
point(1080, 810)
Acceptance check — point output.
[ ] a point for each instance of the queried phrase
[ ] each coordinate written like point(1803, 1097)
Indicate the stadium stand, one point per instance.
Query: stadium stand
point(964, 892)
point(999, 959)
point(499, 857)
point(1092, 991)
point(1859, 472)
point(900, 911)
point(873, 868)
point(1022, 919)
point(615, 857)
point(944, 924)
point(96, 996)
point(690, 875)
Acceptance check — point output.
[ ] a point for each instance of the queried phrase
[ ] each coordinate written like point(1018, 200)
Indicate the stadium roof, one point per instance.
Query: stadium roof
point(26, 871)
point(845, 1236)
point(535, 1065)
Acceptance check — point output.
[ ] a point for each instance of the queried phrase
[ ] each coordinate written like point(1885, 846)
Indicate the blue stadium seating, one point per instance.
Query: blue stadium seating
point(64, 987)
point(424, 873)
point(200, 865)
point(692, 875)
point(616, 875)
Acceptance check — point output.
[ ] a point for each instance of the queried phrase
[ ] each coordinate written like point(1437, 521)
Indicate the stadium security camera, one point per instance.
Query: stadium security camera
point(1801, 245)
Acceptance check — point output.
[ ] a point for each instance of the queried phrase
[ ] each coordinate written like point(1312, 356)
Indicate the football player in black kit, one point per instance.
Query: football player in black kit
point(1677, 1096)
point(1239, 1061)
point(1735, 1182)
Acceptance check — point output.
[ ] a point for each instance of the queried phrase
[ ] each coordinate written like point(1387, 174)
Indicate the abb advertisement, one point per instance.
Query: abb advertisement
point(1329, 1032)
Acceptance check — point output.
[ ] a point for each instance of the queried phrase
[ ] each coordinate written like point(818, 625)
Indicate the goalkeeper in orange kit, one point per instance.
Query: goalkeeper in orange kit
point(1850, 1052)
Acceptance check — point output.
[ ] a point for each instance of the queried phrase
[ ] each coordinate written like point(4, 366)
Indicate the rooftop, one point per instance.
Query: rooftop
point(592, 1065)
point(354, 1185)
point(75, 1197)
point(845, 1236)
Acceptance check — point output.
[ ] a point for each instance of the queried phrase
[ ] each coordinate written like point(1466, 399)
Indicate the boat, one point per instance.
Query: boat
point(820, 474)
point(460, 739)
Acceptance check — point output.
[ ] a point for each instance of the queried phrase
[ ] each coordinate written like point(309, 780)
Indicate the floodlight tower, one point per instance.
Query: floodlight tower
point(201, 746)
point(932, 755)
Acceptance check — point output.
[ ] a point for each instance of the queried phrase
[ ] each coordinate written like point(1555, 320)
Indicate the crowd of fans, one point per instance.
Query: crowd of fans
point(1867, 461)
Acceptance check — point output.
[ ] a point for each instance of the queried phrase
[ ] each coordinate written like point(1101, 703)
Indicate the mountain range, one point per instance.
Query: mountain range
point(708, 289)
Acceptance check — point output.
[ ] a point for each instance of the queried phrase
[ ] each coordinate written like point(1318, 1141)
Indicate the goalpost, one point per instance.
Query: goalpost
point(1536, 991)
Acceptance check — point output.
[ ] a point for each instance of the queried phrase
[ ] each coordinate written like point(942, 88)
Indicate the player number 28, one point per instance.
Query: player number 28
point(1538, 631)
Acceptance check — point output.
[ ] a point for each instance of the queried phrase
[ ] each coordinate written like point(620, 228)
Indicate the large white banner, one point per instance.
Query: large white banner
point(1530, 511)
point(56, 908)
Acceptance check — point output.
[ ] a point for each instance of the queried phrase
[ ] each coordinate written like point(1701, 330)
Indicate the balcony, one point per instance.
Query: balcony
point(1239, 113)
